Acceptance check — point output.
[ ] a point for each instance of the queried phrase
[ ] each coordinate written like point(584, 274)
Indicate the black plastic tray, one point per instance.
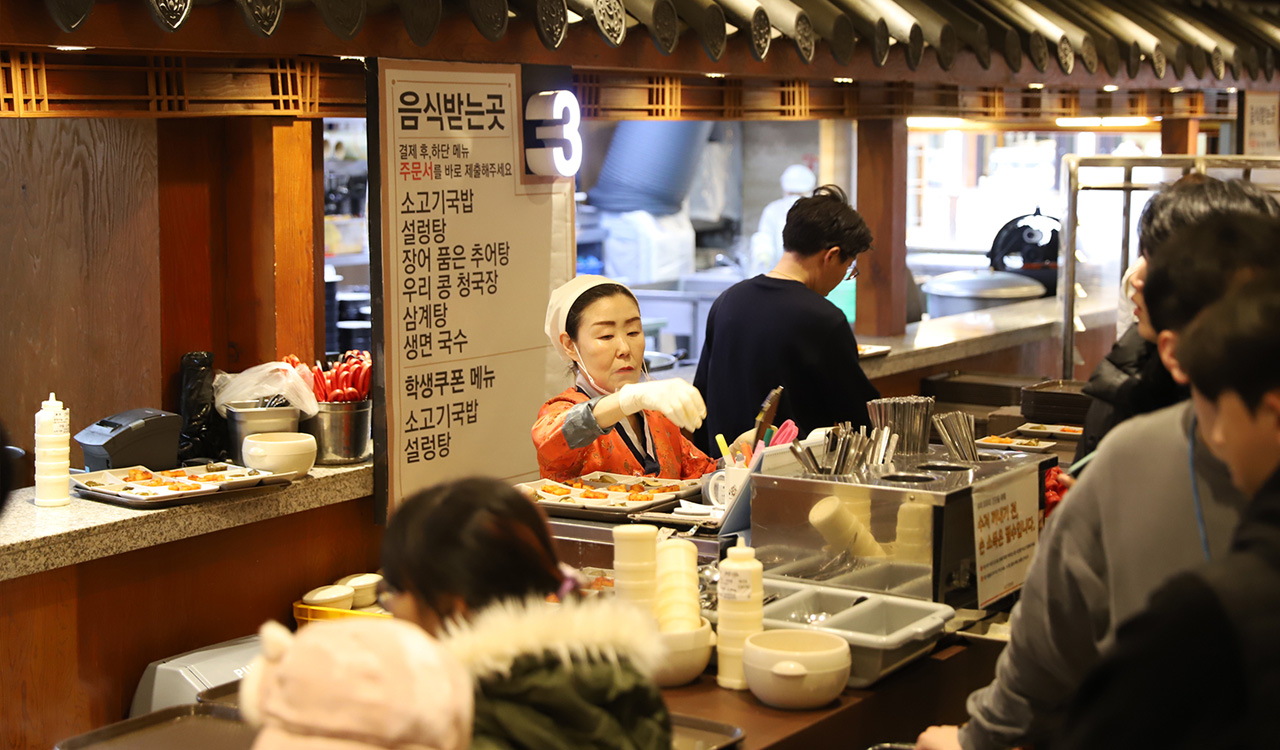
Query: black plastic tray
point(692, 733)
point(199, 726)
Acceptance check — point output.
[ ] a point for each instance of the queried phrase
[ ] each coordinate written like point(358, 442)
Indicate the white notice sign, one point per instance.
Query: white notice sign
point(1261, 123)
point(471, 247)
point(1006, 527)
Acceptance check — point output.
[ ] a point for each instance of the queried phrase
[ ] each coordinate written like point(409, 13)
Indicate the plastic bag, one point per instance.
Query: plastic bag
point(264, 381)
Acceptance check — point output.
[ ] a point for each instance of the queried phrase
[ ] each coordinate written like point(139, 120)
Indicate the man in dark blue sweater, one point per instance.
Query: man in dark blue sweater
point(778, 329)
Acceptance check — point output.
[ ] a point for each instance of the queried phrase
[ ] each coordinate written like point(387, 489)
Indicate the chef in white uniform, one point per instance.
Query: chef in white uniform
point(766, 244)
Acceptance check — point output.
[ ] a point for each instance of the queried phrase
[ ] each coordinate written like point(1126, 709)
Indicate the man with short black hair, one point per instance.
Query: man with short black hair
point(1131, 522)
point(778, 329)
point(1214, 628)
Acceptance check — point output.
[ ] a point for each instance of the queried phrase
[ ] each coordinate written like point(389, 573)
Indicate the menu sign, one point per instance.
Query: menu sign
point(1261, 119)
point(1006, 527)
point(470, 248)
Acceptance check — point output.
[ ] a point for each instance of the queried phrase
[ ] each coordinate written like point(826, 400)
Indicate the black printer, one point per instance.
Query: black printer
point(138, 437)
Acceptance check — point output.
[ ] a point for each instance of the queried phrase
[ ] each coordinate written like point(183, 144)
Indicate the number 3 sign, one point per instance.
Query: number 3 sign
point(560, 110)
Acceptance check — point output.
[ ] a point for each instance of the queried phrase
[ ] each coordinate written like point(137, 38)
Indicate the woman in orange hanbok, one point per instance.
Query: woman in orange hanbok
point(608, 420)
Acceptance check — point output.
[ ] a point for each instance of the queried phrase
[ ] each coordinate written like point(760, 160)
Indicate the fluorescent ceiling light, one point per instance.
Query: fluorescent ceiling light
point(843, 80)
point(1231, 90)
point(1125, 122)
point(715, 75)
point(1175, 90)
point(1103, 122)
point(1079, 122)
point(936, 123)
point(1035, 86)
point(70, 48)
point(1110, 87)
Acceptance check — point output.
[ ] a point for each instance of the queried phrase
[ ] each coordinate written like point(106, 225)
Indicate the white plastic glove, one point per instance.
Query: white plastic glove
point(675, 399)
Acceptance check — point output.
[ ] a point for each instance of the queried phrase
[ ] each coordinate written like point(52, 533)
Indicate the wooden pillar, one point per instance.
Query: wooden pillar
point(271, 240)
point(193, 246)
point(1179, 135)
point(882, 201)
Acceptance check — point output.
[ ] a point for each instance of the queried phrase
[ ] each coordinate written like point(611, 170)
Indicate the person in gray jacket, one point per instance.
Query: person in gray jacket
point(1130, 523)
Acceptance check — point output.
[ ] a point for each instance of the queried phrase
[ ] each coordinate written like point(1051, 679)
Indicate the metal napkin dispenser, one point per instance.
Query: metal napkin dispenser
point(923, 526)
point(146, 437)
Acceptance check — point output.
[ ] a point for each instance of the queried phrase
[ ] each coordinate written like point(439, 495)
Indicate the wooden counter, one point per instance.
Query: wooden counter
point(896, 709)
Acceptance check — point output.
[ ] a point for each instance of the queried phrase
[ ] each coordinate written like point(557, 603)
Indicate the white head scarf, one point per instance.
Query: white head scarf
point(558, 308)
point(798, 179)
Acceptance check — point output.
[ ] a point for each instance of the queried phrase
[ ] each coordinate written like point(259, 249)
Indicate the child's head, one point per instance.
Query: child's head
point(1231, 352)
point(458, 547)
point(354, 684)
point(1201, 264)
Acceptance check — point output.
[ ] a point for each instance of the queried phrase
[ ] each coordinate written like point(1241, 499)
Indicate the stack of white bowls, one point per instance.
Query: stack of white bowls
point(635, 565)
point(915, 533)
point(678, 606)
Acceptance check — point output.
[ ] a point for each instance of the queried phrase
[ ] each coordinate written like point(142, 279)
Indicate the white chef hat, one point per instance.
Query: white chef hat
point(798, 178)
point(562, 299)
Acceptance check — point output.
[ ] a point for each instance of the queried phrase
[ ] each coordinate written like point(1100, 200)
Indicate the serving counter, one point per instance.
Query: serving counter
point(92, 593)
point(896, 709)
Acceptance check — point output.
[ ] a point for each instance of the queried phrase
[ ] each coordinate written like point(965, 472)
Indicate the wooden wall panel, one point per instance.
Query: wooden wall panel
point(193, 246)
point(75, 640)
point(79, 249)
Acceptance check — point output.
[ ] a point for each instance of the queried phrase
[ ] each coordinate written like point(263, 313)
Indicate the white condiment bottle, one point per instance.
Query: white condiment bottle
point(53, 454)
point(740, 608)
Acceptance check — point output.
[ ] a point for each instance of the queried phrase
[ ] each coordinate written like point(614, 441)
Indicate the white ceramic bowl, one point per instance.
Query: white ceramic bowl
point(337, 597)
point(796, 668)
point(366, 588)
point(687, 656)
point(280, 452)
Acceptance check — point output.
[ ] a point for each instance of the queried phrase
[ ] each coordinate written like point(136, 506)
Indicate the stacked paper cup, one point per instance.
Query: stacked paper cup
point(740, 595)
point(842, 529)
point(678, 607)
point(635, 565)
point(915, 533)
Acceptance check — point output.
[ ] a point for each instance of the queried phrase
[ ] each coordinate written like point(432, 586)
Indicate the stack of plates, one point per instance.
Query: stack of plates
point(1055, 402)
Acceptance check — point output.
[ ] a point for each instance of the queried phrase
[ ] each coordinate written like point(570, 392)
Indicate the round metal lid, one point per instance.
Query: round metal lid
point(985, 284)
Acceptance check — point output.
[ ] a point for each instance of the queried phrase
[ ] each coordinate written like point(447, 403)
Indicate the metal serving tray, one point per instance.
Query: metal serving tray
point(199, 726)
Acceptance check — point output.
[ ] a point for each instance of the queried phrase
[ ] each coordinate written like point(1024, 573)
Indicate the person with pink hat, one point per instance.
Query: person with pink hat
point(609, 420)
point(357, 683)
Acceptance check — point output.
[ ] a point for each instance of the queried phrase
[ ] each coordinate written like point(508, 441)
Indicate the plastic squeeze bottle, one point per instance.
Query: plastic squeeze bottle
point(53, 454)
point(740, 595)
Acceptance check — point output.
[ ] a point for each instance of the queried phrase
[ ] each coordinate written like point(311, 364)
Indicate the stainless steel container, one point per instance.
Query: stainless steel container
point(965, 291)
point(946, 571)
point(245, 418)
point(342, 432)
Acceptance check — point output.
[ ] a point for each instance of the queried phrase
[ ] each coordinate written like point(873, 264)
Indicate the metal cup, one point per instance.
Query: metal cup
point(342, 432)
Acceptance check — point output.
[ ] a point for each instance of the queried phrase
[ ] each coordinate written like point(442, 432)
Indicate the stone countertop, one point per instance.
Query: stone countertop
point(34, 539)
point(955, 337)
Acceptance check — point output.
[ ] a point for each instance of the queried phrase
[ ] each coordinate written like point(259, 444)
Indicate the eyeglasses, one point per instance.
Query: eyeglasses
point(853, 271)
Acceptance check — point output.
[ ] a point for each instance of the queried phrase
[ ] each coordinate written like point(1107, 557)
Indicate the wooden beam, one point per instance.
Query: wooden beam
point(1179, 135)
point(882, 201)
point(218, 28)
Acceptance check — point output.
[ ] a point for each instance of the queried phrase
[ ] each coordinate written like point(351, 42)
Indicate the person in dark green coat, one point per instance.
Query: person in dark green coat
point(472, 562)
